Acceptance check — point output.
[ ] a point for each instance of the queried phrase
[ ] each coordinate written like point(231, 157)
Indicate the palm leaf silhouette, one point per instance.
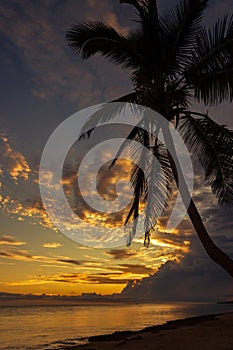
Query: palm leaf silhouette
point(173, 59)
point(213, 146)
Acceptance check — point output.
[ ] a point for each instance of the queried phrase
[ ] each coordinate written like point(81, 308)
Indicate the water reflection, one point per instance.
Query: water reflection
point(39, 326)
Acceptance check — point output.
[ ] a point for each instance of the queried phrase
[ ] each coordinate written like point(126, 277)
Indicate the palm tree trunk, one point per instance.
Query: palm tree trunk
point(215, 253)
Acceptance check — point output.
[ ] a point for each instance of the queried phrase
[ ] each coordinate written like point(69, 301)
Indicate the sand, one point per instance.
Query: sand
point(210, 332)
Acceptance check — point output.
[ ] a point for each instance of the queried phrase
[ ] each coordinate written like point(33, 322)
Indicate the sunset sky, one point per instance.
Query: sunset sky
point(42, 83)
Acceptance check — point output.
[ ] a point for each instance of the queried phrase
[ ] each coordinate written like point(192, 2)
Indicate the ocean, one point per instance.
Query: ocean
point(58, 327)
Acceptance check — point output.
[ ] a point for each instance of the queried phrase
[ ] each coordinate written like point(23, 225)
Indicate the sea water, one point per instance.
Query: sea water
point(54, 327)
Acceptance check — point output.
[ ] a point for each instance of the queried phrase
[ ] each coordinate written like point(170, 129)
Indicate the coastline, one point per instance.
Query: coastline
point(209, 332)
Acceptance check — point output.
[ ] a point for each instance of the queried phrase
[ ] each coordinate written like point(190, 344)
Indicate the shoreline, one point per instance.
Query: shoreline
point(209, 332)
point(46, 302)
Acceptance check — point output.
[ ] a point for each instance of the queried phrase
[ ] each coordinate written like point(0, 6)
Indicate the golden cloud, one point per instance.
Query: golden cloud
point(32, 209)
point(119, 275)
point(15, 163)
point(119, 254)
point(10, 240)
point(52, 245)
point(26, 256)
point(20, 255)
point(107, 179)
point(167, 246)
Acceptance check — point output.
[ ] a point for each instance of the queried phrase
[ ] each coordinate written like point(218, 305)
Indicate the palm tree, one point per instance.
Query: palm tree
point(173, 60)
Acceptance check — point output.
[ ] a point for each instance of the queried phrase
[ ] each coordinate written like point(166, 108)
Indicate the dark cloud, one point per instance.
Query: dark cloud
point(195, 278)
point(39, 33)
point(70, 261)
point(4, 254)
point(10, 240)
point(219, 220)
point(120, 253)
point(137, 269)
point(101, 278)
point(14, 254)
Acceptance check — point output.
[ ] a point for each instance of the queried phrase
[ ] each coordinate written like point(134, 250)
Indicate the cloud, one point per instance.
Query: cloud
point(18, 181)
point(107, 181)
point(99, 271)
point(51, 261)
point(104, 10)
point(52, 245)
point(119, 254)
point(71, 261)
point(73, 279)
point(41, 39)
point(164, 246)
point(137, 269)
point(194, 278)
point(120, 274)
point(84, 278)
point(29, 282)
point(26, 256)
point(160, 238)
point(32, 209)
point(128, 271)
point(15, 164)
point(40, 36)
point(10, 240)
point(20, 255)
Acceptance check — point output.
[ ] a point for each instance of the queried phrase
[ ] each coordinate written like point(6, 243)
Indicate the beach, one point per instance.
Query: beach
point(209, 332)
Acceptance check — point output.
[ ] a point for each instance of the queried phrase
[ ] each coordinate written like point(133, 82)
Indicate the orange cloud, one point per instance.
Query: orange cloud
point(119, 254)
point(111, 19)
point(105, 10)
point(10, 240)
point(119, 275)
point(15, 163)
point(107, 180)
point(20, 255)
point(32, 209)
point(52, 245)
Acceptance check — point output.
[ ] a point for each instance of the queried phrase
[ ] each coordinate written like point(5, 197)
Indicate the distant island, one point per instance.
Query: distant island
point(17, 299)
point(40, 299)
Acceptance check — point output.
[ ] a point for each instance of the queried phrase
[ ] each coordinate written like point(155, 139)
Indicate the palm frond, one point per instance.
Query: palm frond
point(158, 189)
point(138, 182)
point(109, 111)
point(130, 98)
point(213, 146)
point(178, 32)
point(214, 88)
point(149, 16)
point(151, 8)
point(178, 96)
point(87, 39)
point(151, 178)
point(211, 70)
point(136, 134)
point(105, 113)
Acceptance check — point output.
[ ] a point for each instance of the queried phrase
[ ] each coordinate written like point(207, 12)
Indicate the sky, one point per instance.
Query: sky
point(43, 83)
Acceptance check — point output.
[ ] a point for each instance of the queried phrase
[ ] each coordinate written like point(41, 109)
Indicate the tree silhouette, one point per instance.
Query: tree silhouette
point(174, 60)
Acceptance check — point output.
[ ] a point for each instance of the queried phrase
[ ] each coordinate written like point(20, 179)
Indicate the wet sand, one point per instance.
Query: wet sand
point(209, 332)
